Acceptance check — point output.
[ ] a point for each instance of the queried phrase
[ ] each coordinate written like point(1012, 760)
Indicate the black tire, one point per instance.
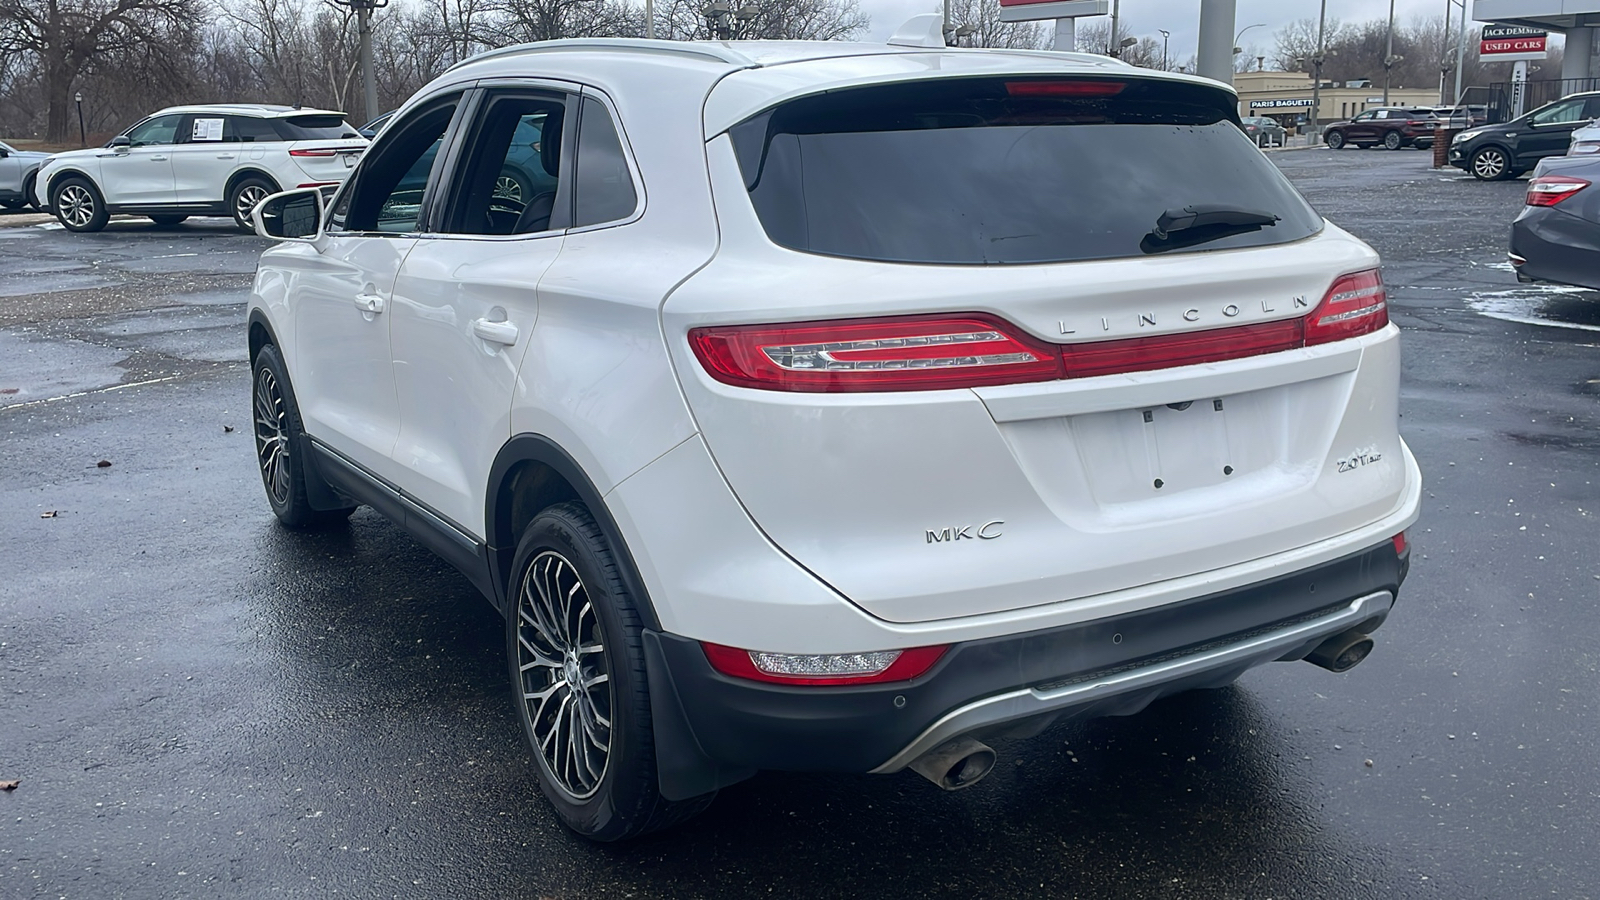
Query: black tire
point(564, 553)
point(281, 445)
point(27, 192)
point(168, 221)
point(245, 195)
point(1491, 164)
point(1335, 140)
point(78, 205)
point(1394, 140)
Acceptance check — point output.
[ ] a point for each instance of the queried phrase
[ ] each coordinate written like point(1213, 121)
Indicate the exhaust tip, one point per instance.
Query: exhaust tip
point(1342, 652)
point(959, 764)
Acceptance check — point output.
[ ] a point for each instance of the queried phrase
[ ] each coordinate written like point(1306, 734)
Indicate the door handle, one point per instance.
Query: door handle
point(369, 303)
point(495, 332)
point(227, 155)
point(158, 159)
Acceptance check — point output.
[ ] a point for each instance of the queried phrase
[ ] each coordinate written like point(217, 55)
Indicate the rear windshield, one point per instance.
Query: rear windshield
point(1016, 170)
point(314, 128)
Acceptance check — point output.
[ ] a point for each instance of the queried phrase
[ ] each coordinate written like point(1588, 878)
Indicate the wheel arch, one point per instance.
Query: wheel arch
point(57, 177)
point(261, 333)
point(530, 474)
point(249, 172)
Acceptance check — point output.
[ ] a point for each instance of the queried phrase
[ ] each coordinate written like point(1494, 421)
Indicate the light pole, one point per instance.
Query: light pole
point(1461, 53)
point(1388, 55)
point(1316, 75)
point(1116, 26)
point(83, 139)
point(363, 10)
point(1236, 47)
point(725, 23)
point(1165, 37)
point(650, 19)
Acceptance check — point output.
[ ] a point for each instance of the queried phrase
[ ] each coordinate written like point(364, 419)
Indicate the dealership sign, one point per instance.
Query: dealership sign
point(1033, 10)
point(1278, 104)
point(1512, 43)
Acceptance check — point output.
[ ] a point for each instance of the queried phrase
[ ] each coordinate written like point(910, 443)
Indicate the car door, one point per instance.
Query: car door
point(10, 171)
point(206, 153)
point(141, 173)
point(1549, 130)
point(467, 297)
point(342, 371)
point(1362, 128)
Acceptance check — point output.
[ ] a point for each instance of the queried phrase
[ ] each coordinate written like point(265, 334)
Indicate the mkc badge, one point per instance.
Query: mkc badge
point(988, 531)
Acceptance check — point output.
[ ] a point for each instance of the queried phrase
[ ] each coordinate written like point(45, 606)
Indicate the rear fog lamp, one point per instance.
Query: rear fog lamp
point(1548, 190)
point(873, 667)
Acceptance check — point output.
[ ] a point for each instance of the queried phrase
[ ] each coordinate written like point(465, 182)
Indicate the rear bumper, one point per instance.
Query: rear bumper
point(1556, 246)
point(713, 729)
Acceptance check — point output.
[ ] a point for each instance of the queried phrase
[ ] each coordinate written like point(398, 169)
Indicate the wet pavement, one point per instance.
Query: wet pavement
point(198, 703)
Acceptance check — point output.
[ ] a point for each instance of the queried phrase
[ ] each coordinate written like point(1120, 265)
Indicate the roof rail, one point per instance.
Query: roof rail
point(714, 51)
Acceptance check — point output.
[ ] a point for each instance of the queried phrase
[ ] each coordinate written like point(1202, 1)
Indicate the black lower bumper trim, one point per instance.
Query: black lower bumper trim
point(736, 726)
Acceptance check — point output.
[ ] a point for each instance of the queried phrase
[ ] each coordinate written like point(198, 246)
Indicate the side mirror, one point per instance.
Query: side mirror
point(4, 153)
point(290, 216)
point(120, 143)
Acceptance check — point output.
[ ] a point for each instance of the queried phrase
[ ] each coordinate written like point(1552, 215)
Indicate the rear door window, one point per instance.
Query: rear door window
point(1012, 170)
point(248, 130)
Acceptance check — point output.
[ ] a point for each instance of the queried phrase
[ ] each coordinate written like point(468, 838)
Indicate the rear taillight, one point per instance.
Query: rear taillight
point(315, 151)
point(926, 353)
point(1583, 148)
point(823, 669)
point(1356, 304)
point(1548, 190)
point(919, 353)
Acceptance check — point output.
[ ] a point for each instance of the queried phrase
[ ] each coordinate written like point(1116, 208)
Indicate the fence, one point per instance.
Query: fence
point(1500, 99)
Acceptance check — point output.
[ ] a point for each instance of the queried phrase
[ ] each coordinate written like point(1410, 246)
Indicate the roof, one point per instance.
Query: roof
point(258, 110)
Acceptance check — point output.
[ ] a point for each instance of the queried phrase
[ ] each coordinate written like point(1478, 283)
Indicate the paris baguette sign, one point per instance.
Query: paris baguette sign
point(1512, 43)
point(1034, 10)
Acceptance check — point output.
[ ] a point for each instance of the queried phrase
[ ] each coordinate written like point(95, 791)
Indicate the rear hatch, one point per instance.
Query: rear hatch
point(979, 344)
point(323, 145)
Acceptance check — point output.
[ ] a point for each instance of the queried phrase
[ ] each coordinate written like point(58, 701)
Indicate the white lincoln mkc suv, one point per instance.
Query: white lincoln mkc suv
point(834, 407)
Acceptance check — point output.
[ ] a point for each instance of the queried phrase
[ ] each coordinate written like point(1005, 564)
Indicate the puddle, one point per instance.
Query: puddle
point(1550, 305)
point(211, 332)
point(37, 368)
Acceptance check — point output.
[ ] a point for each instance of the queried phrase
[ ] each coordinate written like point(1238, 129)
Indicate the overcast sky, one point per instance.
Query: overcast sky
point(1182, 17)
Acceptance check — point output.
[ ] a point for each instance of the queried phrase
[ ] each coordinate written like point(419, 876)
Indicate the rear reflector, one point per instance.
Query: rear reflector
point(1399, 544)
point(1548, 190)
point(925, 353)
point(1065, 88)
point(822, 669)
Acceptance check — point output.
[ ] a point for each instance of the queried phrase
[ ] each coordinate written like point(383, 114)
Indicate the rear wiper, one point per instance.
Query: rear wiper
point(1201, 215)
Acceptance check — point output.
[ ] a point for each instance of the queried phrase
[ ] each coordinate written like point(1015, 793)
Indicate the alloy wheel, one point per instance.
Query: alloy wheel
point(272, 436)
point(562, 675)
point(244, 203)
point(76, 205)
point(508, 188)
point(1489, 164)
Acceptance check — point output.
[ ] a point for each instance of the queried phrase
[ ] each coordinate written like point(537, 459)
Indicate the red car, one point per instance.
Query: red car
point(1390, 126)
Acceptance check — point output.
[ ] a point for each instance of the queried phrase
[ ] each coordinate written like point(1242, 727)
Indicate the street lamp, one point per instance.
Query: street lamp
point(83, 139)
point(1238, 49)
point(363, 10)
point(1389, 59)
point(725, 23)
point(1122, 45)
point(1165, 37)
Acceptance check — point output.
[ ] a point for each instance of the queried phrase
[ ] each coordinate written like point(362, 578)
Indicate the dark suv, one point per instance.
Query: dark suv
point(1506, 150)
point(1390, 126)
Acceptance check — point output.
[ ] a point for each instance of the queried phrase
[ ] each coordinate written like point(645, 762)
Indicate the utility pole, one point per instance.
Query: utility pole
point(1461, 53)
point(650, 19)
point(1314, 126)
point(364, 10)
point(1388, 55)
point(1116, 20)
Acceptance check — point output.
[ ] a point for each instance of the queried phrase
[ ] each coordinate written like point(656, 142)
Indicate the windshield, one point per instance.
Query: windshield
point(1008, 170)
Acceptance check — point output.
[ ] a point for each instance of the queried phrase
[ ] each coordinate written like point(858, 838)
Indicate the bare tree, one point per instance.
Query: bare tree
point(983, 16)
point(66, 36)
point(817, 20)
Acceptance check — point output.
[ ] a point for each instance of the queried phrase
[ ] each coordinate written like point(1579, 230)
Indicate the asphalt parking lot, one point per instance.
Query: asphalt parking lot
point(198, 703)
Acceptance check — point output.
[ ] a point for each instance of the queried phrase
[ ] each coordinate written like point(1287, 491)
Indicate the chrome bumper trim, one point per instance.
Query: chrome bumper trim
point(1026, 702)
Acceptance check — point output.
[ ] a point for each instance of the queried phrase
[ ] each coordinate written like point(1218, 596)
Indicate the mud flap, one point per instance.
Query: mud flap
point(682, 766)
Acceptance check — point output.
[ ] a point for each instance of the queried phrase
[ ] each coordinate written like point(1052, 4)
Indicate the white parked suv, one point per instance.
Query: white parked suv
point(218, 160)
point(829, 406)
